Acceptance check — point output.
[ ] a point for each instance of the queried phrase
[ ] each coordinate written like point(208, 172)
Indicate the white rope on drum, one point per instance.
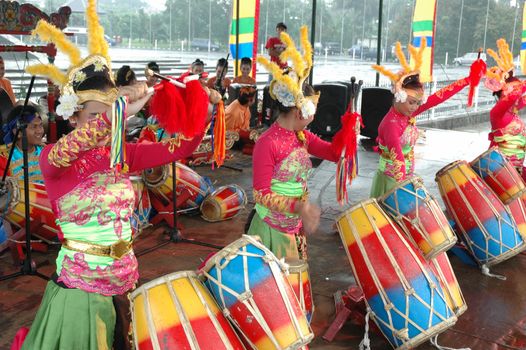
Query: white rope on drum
point(365, 344)
point(485, 271)
point(434, 342)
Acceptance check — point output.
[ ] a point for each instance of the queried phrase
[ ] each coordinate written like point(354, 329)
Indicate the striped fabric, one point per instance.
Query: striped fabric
point(247, 38)
point(424, 29)
point(523, 41)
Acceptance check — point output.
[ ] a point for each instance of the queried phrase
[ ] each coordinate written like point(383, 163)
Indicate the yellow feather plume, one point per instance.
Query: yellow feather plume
point(505, 54)
point(278, 75)
point(96, 42)
point(50, 71)
point(495, 57)
point(292, 53)
point(49, 33)
point(401, 57)
point(306, 45)
point(382, 70)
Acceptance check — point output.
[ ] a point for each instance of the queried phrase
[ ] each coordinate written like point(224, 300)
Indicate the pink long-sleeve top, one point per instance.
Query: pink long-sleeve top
point(93, 204)
point(281, 165)
point(397, 134)
point(508, 131)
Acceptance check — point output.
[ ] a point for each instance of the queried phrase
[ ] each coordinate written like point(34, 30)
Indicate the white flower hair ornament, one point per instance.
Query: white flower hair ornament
point(287, 85)
point(69, 104)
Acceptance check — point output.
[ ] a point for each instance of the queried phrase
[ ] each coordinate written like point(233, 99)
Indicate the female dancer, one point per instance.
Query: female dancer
point(92, 201)
point(508, 131)
point(281, 162)
point(397, 133)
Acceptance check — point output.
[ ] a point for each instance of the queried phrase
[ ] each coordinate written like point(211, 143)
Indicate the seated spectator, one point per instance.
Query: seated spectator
point(221, 68)
point(246, 69)
point(125, 76)
point(5, 83)
point(35, 134)
point(152, 80)
point(237, 114)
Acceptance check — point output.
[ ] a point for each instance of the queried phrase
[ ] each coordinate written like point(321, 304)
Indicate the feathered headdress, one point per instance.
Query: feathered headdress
point(496, 76)
point(96, 64)
point(408, 72)
point(287, 85)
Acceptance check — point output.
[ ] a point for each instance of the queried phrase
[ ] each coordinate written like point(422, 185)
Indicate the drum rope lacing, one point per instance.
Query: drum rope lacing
point(277, 267)
point(401, 334)
point(488, 237)
point(365, 344)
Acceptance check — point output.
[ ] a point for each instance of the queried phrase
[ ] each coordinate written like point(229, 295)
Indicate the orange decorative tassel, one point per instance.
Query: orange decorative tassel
point(220, 134)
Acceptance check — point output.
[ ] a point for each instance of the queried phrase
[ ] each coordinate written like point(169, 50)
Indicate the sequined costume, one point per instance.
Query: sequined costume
point(93, 205)
point(281, 166)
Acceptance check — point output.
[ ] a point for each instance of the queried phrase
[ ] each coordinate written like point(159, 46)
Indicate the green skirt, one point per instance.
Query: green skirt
point(382, 184)
point(72, 319)
point(283, 245)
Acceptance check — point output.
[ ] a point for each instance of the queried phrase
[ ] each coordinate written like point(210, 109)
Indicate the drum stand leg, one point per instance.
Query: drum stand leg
point(174, 233)
point(348, 304)
point(28, 267)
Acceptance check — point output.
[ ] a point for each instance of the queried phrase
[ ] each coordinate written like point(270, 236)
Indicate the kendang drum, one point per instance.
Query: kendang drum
point(160, 182)
point(176, 311)
point(441, 266)
point(299, 280)
point(403, 295)
point(39, 209)
point(249, 284)
point(488, 229)
point(224, 203)
point(499, 175)
point(143, 206)
point(419, 216)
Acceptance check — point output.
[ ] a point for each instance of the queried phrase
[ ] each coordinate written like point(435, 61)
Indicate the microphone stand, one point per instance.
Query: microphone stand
point(28, 267)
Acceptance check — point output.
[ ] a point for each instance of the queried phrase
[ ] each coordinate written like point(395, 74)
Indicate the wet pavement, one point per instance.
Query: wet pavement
point(496, 315)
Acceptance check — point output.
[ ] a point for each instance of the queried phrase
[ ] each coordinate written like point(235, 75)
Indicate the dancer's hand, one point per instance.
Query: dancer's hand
point(310, 216)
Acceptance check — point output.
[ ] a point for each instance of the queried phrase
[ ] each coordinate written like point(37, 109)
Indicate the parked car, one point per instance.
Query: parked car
point(332, 48)
point(468, 59)
point(362, 52)
point(198, 44)
point(318, 48)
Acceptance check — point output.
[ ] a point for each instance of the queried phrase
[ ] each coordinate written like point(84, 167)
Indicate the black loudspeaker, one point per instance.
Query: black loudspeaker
point(270, 112)
point(331, 106)
point(375, 105)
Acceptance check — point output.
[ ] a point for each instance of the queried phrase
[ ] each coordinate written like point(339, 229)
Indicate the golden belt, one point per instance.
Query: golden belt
point(116, 251)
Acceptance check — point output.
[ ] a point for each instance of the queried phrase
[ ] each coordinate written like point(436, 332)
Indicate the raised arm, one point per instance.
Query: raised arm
point(442, 95)
point(146, 155)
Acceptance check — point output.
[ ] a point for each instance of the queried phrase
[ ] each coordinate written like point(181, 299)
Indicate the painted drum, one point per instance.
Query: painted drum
point(403, 295)
point(299, 280)
point(176, 311)
point(499, 174)
point(250, 285)
point(420, 217)
point(224, 203)
point(487, 228)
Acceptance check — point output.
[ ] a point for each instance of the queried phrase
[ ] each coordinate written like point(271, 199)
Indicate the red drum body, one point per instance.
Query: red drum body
point(404, 296)
point(499, 174)
point(419, 216)
point(39, 207)
point(488, 229)
point(224, 203)
point(176, 311)
point(160, 183)
point(445, 274)
point(299, 280)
